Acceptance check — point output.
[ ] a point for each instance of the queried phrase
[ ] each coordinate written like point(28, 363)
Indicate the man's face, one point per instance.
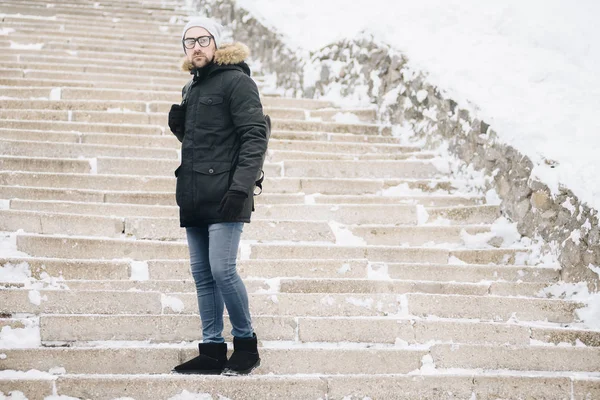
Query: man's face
point(199, 56)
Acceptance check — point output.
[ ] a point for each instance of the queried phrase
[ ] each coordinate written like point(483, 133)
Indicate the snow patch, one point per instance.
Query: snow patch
point(185, 395)
point(26, 46)
point(344, 236)
point(26, 337)
point(6, 31)
point(344, 268)
point(365, 303)
point(309, 199)
point(422, 215)
point(245, 249)
point(378, 271)
point(590, 314)
point(93, 166)
point(56, 93)
point(139, 271)
point(171, 302)
point(346, 118)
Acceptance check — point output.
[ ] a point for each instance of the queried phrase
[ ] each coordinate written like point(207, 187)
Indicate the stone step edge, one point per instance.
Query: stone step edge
point(125, 219)
point(559, 327)
point(151, 292)
point(268, 261)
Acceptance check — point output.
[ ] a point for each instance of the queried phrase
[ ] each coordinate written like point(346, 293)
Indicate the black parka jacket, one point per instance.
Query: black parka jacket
point(225, 138)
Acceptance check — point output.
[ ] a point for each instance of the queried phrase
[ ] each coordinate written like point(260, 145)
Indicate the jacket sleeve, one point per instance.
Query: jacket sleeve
point(250, 126)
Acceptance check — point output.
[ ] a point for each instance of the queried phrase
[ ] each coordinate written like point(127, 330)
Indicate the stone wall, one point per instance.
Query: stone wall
point(363, 67)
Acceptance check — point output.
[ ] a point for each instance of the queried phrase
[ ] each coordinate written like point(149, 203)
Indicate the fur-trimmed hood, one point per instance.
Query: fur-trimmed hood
point(228, 54)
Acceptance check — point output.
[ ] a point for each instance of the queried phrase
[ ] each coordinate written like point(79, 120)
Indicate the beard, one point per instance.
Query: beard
point(200, 60)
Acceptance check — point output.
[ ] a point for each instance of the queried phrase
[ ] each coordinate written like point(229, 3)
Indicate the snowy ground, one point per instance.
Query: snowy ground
point(527, 68)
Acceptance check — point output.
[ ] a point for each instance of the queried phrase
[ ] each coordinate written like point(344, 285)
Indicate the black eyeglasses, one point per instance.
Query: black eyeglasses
point(203, 41)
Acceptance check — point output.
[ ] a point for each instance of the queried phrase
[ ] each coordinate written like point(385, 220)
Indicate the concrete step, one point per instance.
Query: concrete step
point(177, 328)
point(148, 228)
point(315, 286)
point(131, 76)
point(292, 155)
point(152, 360)
point(15, 301)
point(165, 184)
point(72, 269)
point(168, 140)
point(153, 167)
point(361, 169)
point(337, 285)
point(20, 81)
point(360, 214)
point(75, 59)
point(484, 308)
point(65, 65)
point(491, 308)
point(387, 253)
point(38, 164)
point(463, 385)
point(125, 197)
point(333, 127)
point(72, 126)
point(341, 147)
point(428, 200)
point(98, 94)
point(368, 115)
point(105, 248)
point(24, 148)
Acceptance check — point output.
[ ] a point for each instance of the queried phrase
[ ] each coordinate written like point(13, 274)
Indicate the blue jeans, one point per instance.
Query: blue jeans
point(213, 251)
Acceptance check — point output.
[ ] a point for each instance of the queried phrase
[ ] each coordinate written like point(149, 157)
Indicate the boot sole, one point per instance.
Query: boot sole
point(230, 372)
point(198, 372)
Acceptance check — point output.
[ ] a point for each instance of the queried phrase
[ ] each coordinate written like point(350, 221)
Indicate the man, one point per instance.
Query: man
point(224, 139)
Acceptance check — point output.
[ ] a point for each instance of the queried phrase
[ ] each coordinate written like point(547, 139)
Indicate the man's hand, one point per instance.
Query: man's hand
point(177, 120)
point(232, 204)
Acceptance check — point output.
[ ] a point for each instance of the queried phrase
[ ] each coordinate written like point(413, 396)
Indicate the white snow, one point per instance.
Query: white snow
point(346, 118)
point(93, 166)
point(378, 271)
point(344, 268)
point(27, 337)
point(6, 31)
point(422, 215)
point(15, 273)
point(8, 245)
point(590, 314)
point(24, 16)
point(501, 228)
point(344, 236)
point(185, 395)
point(55, 93)
point(401, 190)
point(139, 271)
point(171, 302)
point(26, 46)
point(365, 303)
point(309, 199)
point(534, 77)
point(246, 249)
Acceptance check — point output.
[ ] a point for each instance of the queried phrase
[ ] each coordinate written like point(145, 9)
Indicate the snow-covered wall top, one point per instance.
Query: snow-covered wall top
point(529, 69)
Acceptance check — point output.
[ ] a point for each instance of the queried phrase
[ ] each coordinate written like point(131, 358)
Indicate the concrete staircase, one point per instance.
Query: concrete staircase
point(355, 293)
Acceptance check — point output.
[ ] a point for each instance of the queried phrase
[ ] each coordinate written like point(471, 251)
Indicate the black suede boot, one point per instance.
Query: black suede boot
point(211, 360)
point(244, 358)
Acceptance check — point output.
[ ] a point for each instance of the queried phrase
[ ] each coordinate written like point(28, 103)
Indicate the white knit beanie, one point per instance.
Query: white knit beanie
point(212, 26)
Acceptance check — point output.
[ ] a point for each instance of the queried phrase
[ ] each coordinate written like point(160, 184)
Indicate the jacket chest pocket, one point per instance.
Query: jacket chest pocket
point(209, 111)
